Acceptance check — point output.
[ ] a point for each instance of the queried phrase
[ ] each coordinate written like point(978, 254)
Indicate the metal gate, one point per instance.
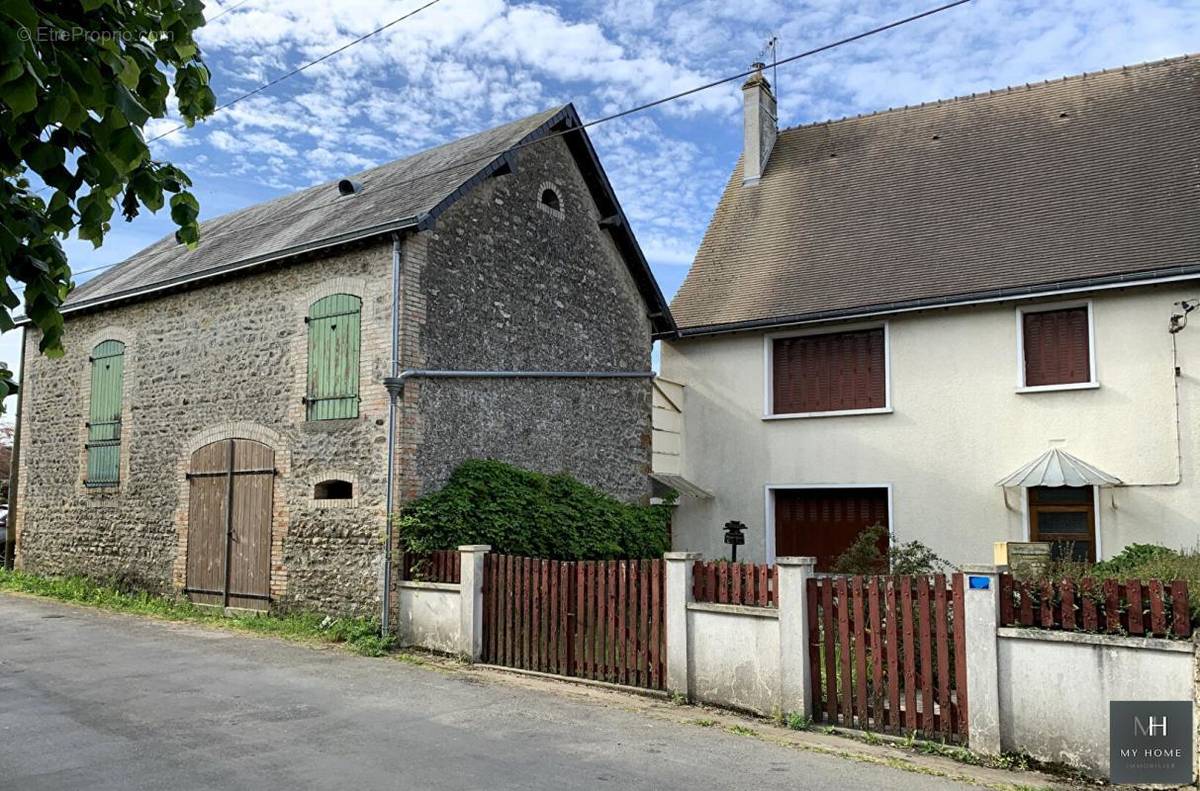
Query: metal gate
point(888, 654)
point(229, 524)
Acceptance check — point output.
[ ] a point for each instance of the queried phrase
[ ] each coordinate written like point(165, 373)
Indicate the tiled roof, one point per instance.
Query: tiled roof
point(393, 196)
point(1089, 177)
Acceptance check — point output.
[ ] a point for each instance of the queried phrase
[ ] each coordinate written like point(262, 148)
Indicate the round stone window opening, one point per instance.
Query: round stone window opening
point(550, 201)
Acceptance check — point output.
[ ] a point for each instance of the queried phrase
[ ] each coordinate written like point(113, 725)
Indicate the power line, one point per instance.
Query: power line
point(620, 114)
point(298, 69)
point(226, 10)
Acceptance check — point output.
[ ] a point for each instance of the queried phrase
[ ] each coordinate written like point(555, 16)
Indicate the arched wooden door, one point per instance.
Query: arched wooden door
point(231, 486)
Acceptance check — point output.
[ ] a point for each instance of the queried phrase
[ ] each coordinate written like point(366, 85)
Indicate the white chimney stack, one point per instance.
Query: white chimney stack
point(759, 125)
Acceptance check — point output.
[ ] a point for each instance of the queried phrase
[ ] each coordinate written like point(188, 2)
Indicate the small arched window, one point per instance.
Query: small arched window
point(334, 327)
point(333, 489)
point(550, 200)
point(104, 414)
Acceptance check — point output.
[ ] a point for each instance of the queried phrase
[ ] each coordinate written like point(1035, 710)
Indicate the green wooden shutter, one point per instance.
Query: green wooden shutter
point(104, 416)
point(334, 324)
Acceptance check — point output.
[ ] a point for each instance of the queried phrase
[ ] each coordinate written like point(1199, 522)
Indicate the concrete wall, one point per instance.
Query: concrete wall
point(733, 656)
point(1055, 688)
point(668, 427)
point(429, 615)
point(229, 359)
point(957, 426)
point(509, 284)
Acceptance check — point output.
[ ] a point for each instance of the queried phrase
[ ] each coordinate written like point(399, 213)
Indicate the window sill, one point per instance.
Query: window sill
point(885, 410)
point(1055, 388)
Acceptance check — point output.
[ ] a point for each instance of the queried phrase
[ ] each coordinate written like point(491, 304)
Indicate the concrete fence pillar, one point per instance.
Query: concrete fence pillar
point(678, 593)
point(470, 595)
point(982, 614)
point(795, 683)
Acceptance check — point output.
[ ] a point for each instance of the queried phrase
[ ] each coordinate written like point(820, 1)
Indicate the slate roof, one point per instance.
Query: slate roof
point(404, 194)
point(1083, 180)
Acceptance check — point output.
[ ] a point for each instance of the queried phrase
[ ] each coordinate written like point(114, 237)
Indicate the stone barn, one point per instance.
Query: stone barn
point(220, 424)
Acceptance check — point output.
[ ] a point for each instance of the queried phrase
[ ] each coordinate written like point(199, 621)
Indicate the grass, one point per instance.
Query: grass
point(360, 635)
point(742, 730)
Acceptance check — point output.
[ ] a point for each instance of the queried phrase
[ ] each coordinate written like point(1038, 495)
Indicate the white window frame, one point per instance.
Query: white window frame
point(1092, 383)
point(769, 371)
point(769, 493)
point(1026, 522)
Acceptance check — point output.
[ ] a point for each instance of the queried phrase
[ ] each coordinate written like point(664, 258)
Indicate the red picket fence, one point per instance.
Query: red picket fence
point(596, 619)
point(1147, 608)
point(751, 584)
point(888, 654)
point(441, 565)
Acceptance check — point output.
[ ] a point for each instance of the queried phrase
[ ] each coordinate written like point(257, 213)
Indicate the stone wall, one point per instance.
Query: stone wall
point(225, 360)
point(511, 284)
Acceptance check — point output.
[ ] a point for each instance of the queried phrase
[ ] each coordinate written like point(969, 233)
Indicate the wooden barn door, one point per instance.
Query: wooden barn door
point(229, 524)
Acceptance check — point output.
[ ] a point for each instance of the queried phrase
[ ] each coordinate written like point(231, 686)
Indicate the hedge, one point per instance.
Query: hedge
point(519, 512)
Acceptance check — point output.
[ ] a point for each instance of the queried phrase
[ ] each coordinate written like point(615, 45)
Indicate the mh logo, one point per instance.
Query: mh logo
point(1150, 726)
point(1150, 742)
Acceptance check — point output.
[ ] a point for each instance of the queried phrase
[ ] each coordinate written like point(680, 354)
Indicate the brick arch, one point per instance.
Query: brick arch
point(235, 429)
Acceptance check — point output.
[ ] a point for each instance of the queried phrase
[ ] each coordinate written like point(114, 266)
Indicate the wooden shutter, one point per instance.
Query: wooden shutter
point(334, 326)
point(104, 415)
point(1056, 347)
point(830, 372)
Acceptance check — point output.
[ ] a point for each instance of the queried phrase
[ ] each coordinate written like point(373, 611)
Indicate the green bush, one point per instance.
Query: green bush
point(865, 557)
point(520, 512)
point(1134, 558)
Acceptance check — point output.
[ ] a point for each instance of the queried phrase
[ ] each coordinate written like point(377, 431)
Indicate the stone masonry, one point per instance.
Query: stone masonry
point(500, 282)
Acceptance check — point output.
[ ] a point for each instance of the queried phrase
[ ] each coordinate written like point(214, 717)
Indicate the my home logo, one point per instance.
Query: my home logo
point(1150, 742)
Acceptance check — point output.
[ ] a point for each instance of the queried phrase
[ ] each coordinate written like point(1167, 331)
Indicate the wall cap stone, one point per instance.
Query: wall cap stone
point(796, 561)
point(982, 568)
point(452, 587)
point(1083, 638)
point(682, 555)
point(734, 609)
point(475, 548)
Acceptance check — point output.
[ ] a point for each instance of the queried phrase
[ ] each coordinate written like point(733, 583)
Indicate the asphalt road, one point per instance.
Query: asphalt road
point(101, 701)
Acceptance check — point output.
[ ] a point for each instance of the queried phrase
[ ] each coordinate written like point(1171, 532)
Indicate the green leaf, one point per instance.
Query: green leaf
point(129, 106)
point(12, 46)
point(22, 11)
point(21, 96)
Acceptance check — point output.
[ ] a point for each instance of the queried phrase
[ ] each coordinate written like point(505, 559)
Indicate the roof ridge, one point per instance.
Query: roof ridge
point(997, 91)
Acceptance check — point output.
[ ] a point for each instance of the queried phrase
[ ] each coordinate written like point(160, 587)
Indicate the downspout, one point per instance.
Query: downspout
point(10, 529)
point(393, 398)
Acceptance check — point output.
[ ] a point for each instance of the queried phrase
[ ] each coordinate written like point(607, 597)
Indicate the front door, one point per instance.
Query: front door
point(823, 523)
point(1065, 516)
point(231, 485)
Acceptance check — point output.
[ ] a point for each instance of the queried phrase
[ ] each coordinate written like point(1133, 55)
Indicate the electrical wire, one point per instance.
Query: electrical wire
point(392, 186)
point(309, 64)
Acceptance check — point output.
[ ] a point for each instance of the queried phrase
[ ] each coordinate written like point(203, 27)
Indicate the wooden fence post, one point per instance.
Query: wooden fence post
point(470, 596)
point(795, 682)
point(678, 594)
point(981, 587)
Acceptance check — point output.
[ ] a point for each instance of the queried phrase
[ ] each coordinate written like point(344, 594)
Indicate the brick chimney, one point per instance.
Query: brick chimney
point(759, 126)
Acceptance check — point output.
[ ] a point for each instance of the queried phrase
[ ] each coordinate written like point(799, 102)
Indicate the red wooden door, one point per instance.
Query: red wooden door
point(823, 523)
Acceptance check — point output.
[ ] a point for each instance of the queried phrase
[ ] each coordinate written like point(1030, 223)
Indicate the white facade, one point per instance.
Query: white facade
point(958, 419)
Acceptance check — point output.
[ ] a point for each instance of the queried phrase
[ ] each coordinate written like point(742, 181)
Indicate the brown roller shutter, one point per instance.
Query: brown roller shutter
point(823, 523)
point(1056, 347)
point(827, 373)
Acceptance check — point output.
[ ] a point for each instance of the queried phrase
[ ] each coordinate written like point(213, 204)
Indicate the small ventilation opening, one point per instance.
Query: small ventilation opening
point(550, 200)
point(348, 187)
point(333, 489)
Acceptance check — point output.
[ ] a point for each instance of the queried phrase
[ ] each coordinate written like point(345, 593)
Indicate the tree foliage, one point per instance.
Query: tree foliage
point(865, 557)
point(527, 513)
point(78, 81)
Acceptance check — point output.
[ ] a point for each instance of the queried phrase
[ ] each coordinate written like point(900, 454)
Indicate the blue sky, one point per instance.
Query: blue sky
point(465, 65)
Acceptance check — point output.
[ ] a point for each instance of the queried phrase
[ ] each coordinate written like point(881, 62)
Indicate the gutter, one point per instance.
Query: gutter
point(393, 398)
point(1149, 277)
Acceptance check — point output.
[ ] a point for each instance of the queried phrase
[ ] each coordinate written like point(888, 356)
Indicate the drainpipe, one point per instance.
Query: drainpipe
point(10, 542)
point(393, 398)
